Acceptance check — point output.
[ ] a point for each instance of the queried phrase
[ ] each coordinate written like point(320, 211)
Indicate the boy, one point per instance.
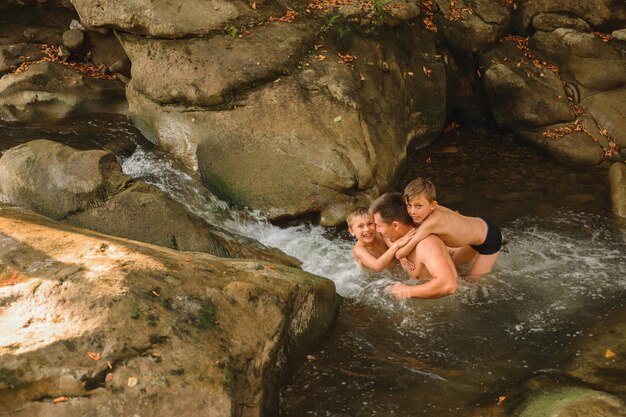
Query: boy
point(371, 249)
point(473, 238)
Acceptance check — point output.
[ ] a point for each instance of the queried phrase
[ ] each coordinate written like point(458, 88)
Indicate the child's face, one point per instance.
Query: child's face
point(363, 228)
point(419, 208)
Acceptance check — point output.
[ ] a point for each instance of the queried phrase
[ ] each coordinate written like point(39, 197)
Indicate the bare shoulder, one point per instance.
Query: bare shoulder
point(430, 242)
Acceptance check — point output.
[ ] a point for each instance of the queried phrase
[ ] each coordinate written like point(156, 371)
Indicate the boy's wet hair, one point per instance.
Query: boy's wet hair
point(419, 187)
point(355, 213)
point(391, 207)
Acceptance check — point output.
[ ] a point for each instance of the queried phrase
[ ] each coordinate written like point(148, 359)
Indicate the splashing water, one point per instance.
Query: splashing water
point(555, 274)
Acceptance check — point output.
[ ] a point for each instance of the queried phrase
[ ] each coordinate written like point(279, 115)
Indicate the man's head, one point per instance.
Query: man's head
point(390, 216)
point(420, 199)
point(361, 224)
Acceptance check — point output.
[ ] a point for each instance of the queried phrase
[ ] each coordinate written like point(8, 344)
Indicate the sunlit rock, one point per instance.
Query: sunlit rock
point(102, 326)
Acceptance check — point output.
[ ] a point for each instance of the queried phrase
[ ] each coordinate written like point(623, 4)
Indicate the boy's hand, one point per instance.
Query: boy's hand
point(399, 291)
point(405, 239)
point(406, 264)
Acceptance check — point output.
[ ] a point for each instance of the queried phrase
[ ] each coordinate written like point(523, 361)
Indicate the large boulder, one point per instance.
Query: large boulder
point(337, 131)
point(598, 13)
point(473, 25)
point(165, 19)
point(88, 189)
point(51, 91)
point(571, 402)
point(522, 96)
point(581, 57)
point(56, 180)
point(607, 109)
point(101, 326)
point(210, 70)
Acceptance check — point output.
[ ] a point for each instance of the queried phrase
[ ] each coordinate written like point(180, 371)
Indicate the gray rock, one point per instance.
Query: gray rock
point(597, 13)
point(576, 148)
point(11, 56)
point(56, 180)
point(582, 57)
point(142, 212)
point(571, 402)
point(166, 19)
point(476, 31)
point(51, 91)
point(105, 48)
point(617, 181)
point(522, 96)
point(89, 190)
point(179, 334)
point(548, 22)
point(74, 40)
point(209, 70)
point(607, 108)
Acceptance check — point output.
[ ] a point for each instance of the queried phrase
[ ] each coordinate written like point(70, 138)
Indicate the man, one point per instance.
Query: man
point(430, 258)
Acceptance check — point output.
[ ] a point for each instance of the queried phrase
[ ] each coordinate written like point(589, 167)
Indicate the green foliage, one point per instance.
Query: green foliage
point(231, 30)
point(207, 315)
point(332, 25)
point(329, 22)
point(380, 7)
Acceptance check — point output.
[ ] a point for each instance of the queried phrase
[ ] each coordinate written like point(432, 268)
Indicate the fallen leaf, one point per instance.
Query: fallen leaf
point(108, 378)
point(60, 400)
point(109, 365)
point(429, 160)
point(427, 71)
point(337, 119)
point(501, 399)
point(132, 381)
point(254, 5)
point(94, 356)
point(361, 77)
point(321, 57)
point(216, 8)
point(156, 294)
point(609, 354)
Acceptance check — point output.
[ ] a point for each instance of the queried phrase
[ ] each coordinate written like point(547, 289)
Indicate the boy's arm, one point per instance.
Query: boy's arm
point(423, 230)
point(433, 254)
point(369, 261)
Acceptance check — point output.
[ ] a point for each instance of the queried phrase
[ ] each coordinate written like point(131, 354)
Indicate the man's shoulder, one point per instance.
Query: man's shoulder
point(430, 241)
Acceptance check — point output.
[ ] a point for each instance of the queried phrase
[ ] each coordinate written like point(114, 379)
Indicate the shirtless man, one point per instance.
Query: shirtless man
point(429, 257)
point(473, 238)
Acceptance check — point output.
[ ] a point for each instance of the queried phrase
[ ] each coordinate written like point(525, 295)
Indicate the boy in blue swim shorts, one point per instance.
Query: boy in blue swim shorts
point(471, 239)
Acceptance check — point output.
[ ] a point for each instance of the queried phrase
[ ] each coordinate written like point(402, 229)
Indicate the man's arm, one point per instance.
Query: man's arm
point(366, 259)
point(433, 254)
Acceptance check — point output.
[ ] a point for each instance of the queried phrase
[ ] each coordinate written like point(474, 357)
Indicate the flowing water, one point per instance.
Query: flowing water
point(562, 269)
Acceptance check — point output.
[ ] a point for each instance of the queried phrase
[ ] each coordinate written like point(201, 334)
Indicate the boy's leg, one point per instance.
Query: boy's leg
point(463, 255)
point(483, 264)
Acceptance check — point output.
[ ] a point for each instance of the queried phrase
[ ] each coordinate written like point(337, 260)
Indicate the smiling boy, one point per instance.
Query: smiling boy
point(474, 238)
point(371, 250)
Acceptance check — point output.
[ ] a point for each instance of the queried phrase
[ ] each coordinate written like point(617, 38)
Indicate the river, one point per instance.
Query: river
point(561, 271)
